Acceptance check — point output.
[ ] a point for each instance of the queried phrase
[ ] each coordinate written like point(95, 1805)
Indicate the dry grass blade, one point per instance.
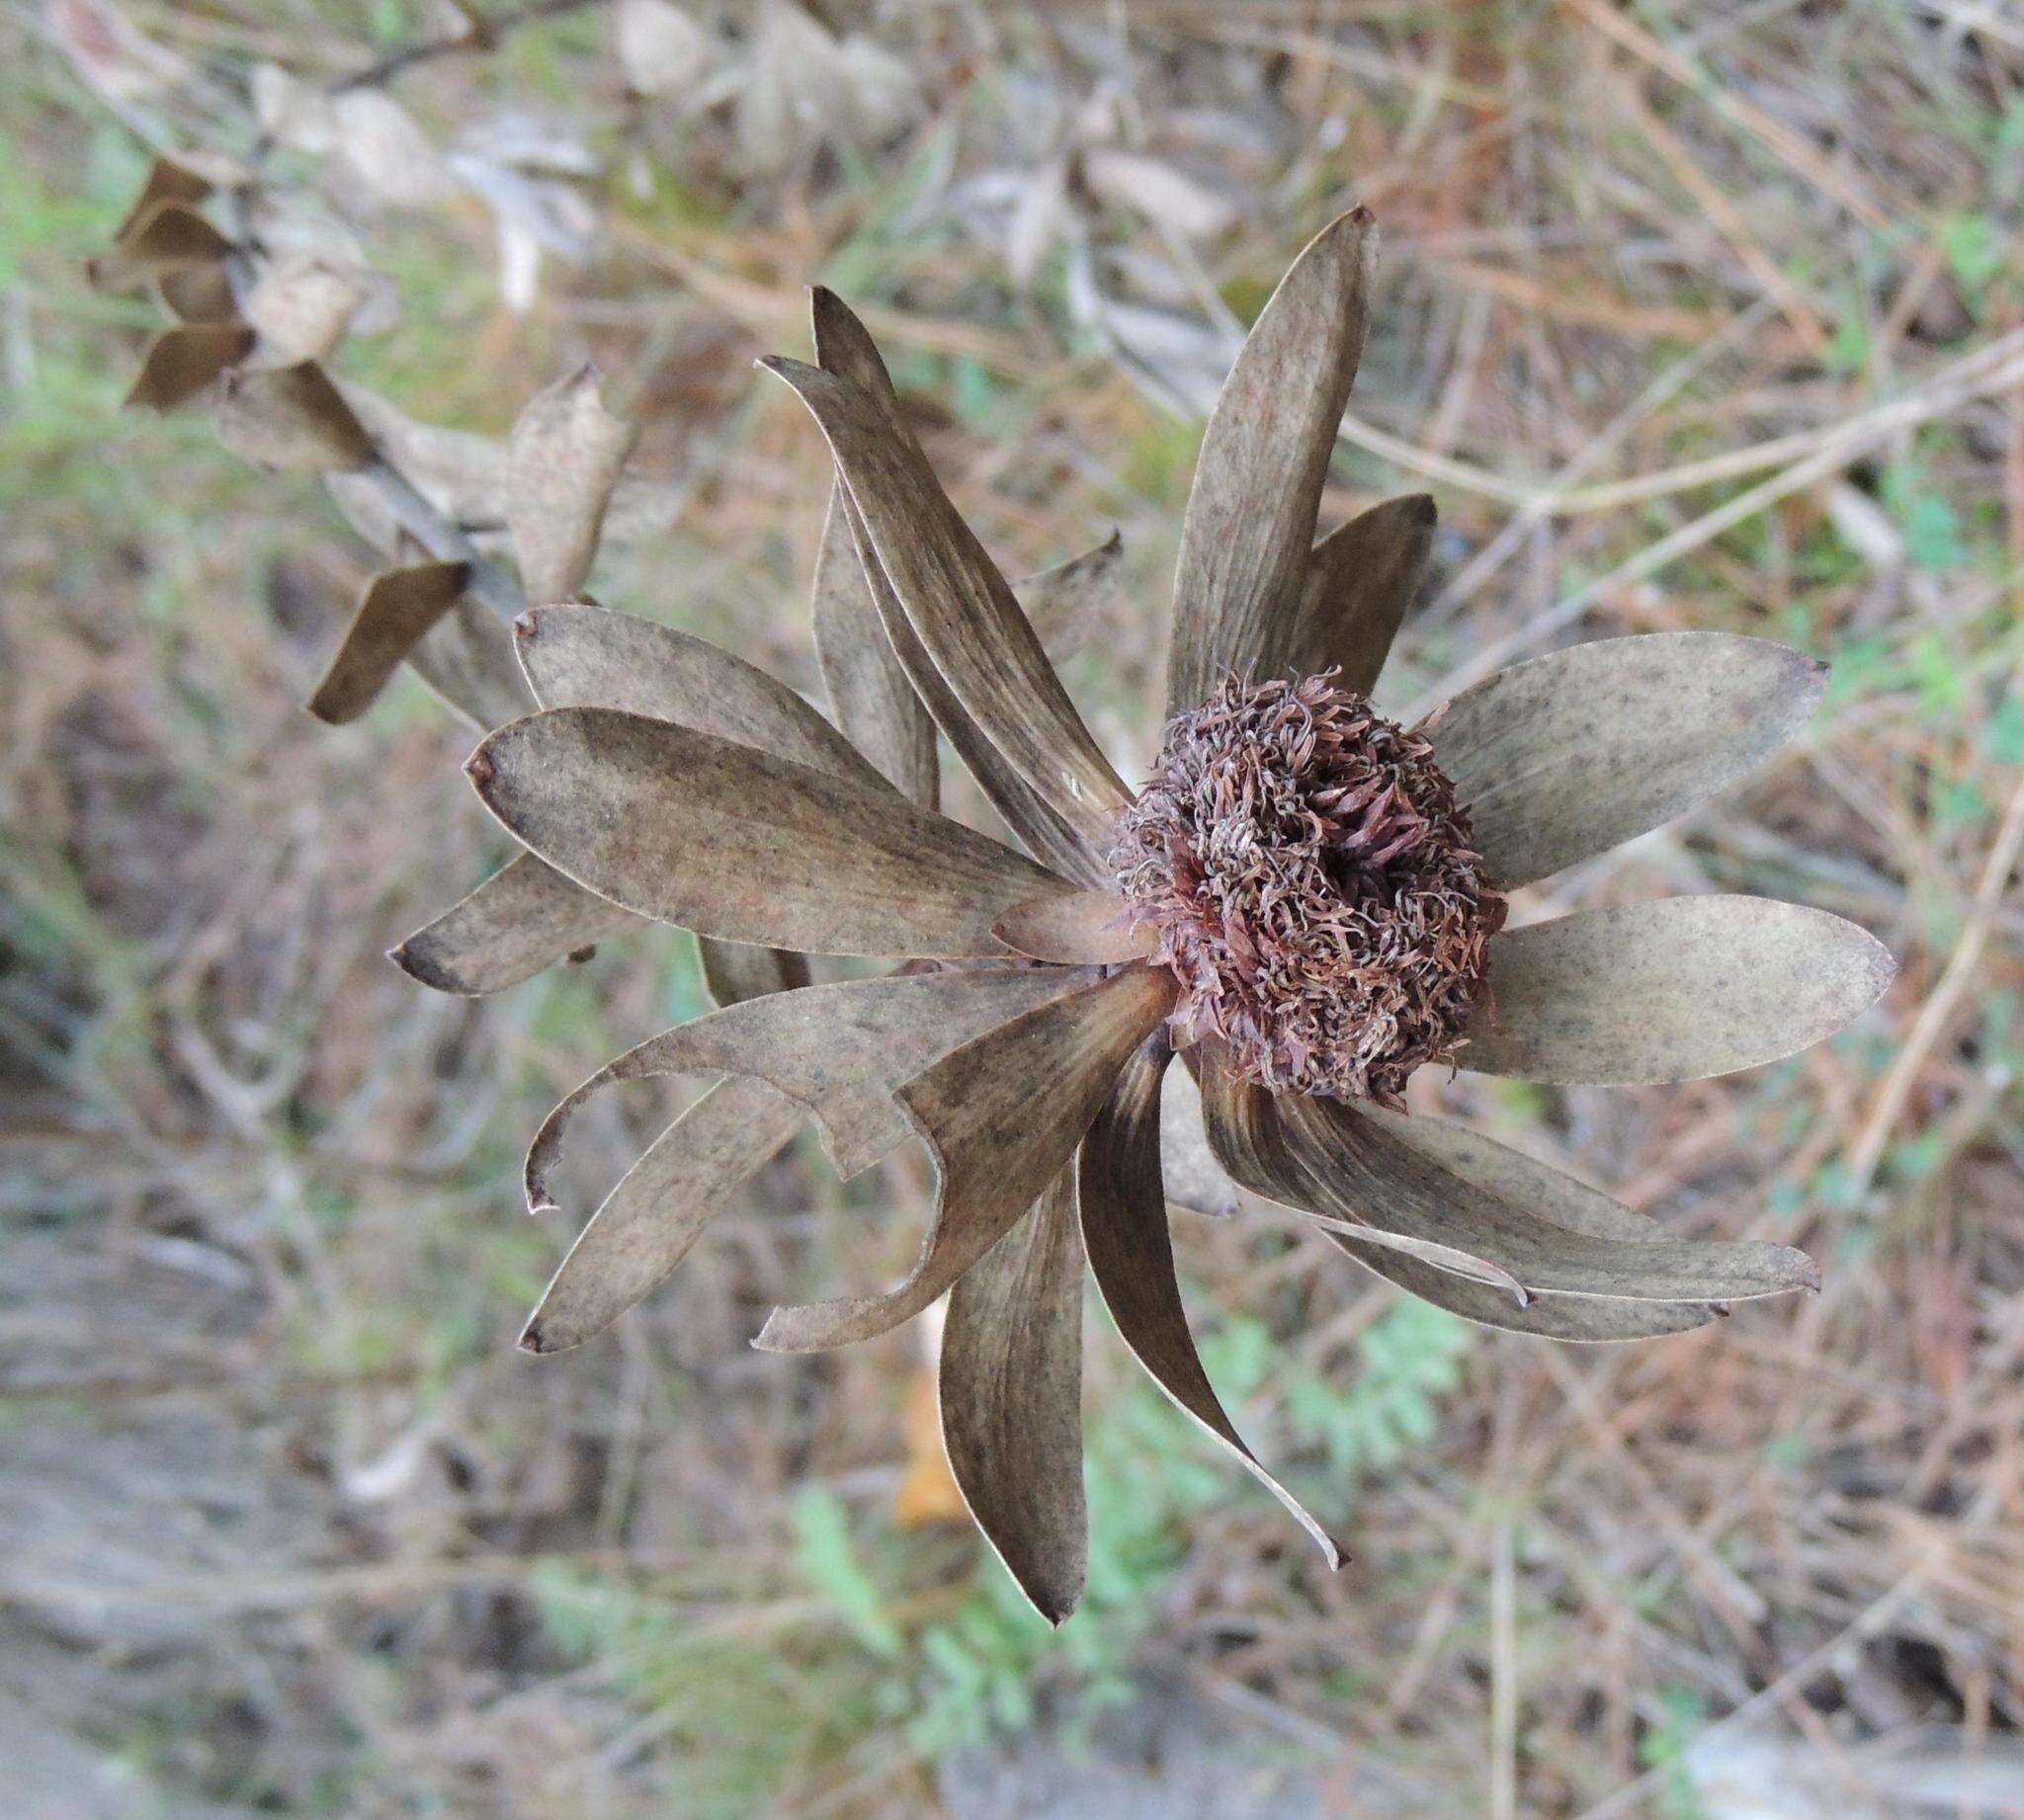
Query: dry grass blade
point(869, 693)
point(1361, 581)
point(1674, 989)
point(838, 1051)
point(1131, 1255)
point(1000, 1115)
point(396, 611)
point(1250, 518)
point(562, 460)
point(582, 656)
point(736, 843)
point(527, 916)
point(291, 417)
point(1087, 929)
point(1571, 754)
point(663, 1204)
point(1011, 1394)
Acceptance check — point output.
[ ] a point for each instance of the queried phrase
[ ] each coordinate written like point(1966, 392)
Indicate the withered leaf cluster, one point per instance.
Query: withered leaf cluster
point(1034, 1009)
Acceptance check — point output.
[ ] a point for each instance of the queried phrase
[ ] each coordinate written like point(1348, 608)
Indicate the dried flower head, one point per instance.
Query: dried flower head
point(1314, 887)
point(1305, 897)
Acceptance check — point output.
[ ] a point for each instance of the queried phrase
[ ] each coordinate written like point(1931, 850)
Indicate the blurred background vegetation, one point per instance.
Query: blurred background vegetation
point(1693, 316)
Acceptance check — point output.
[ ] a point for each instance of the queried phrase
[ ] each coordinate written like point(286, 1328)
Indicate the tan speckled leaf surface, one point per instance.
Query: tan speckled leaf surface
point(525, 917)
point(1000, 1115)
point(1132, 1257)
point(562, 460)
point(736, 843)
point(1250, 519)
point(1011, 1393)
point(1674, 989)
point(1568, 754)
point(396, 611)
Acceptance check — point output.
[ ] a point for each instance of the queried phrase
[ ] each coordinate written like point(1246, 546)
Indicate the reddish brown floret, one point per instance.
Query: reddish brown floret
point(1315, 889)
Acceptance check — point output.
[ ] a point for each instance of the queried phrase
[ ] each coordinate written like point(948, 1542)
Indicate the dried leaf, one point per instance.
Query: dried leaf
point(291, 417)
point(583, 656)
point(869, 694)
point(1673, 989)
point(1361, 580)
point(166, 182)
point(1251, 516)
point(1001, 1117)
point(171, 237)
point(521, 919)
point(1568, 754)
point(1131, 1255)
point(198, 293)
point(838, 1051)
point(1498, 1169)
point(1085, 929)
point(392, 156)
point(843, 347)
point(182, 363)
point(1061, 602)
point(736, 843)
point(1011, 1386)
point(661, 49)
point(1328, 1156)
point(562, 460)
point(662, 1205)
point(960, 607)
point(302, 305)
point(397, 608)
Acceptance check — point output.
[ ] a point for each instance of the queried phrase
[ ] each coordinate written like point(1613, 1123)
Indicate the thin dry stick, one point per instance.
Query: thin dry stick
point(1946, 391)
point(1938, 1009)
point(1605, 443)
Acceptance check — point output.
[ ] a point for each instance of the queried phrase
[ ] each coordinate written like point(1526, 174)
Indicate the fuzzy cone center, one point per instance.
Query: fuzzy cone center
point(1314, 887)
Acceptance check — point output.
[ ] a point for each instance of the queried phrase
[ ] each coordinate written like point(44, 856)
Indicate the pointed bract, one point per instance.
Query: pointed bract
point(1000, 1115)
point(562, 460)
point(1011, 1393)
point(1132, 1257)
point(838, 1051)
point(1257, 488)
point(525, 917)
point(652, 1218)
point(959, 606)
point(1359, 583)
point(1062, 602)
